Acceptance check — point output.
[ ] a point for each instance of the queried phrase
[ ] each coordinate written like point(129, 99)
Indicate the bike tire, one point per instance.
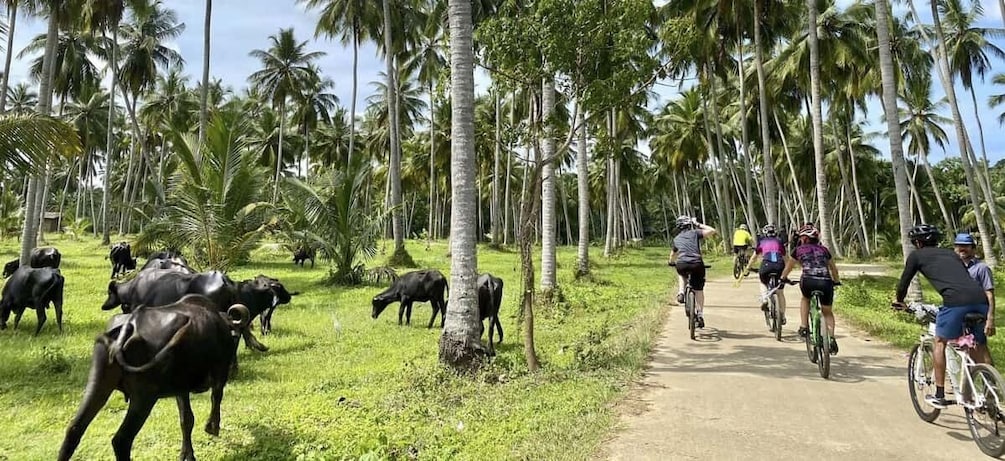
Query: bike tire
point(925, 360)
point(989, 383)
point(737, 268)
point(824, 350)
point(692, 317)
point(811, 347)
point(768, 320)
point(776, 318)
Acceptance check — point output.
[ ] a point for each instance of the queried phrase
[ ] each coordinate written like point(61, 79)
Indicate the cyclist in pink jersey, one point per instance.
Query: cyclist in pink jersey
point(819, 274)
point(771, 251)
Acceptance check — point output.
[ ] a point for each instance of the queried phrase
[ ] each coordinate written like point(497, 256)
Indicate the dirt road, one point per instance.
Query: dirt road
point(736, 393)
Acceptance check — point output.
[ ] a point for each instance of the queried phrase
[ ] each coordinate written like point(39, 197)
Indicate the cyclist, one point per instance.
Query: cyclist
point(966, 247)
point(686, 255)
point(742, 241)
point(819, 274)
point(961, 295)
point(771, 250)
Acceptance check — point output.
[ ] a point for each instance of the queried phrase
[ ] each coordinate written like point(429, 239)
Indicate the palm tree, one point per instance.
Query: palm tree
point(350, 21)
point(22, 98)
point(892, 125)
point(88, 114)
point(460, 345)
point(286, 66)
point(12, 6)
point(920, 126)
point(74, 69)
point(204, 91)
point(314, 104)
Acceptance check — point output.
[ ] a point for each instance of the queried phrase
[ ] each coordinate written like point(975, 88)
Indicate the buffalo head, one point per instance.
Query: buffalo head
point(381, 301)
point(113, 300)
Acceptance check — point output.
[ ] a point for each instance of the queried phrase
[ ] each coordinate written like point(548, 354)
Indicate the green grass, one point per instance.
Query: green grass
point(337, 384)
point(865, 301)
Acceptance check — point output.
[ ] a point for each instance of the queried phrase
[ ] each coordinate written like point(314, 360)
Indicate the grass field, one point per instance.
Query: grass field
point(337, 384)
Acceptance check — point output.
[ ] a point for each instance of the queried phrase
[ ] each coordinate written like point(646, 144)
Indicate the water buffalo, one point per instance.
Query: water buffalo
point(32, 288)
point(490, 291)
point(154, 353)
point(40, 257)
point(303, 254)
point(425, 285)
point(122, 259)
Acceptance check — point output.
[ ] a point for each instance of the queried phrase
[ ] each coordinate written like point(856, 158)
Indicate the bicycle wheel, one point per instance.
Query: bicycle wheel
point(823, 349)
point(921, 381)
point(811, 348)
point(768, 320)
point(737, 267)
point(986, 422)
point(692, 317)
point(776, 318)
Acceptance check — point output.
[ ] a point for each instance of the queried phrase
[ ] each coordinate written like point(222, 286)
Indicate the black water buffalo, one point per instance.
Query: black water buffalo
point(425, 285)
point(40, 257)
point(301, 255)
point(168, 260)
point(153, 353)
point(161, 287)
point(45, 257)
point(122, 259)
point(32, 288)
point(10, 267)
point(490, 291)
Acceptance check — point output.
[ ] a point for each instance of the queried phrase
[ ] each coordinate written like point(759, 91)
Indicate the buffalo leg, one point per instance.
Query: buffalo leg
point(100, 385)
point(17, 317)
point(213, 425)
point(57, 305)
point(40, 313)
point(498, 324)
point(187, 420)
point(401, 310)
point(136, 415)
point(492, 349)
point(252, 342)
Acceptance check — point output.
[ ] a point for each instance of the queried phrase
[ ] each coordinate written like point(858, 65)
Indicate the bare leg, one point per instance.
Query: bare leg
point(780, 296)
point(940, 362)
point(828, 318)
point(804, 313)
point(699, 302)
point(681, 281)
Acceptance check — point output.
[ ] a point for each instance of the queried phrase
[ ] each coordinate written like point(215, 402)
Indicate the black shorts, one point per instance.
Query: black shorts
point(740, 248)
point(768, 268)
point(697, 271)
point(825, 286)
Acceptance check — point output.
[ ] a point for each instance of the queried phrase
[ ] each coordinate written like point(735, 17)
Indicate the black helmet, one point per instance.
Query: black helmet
point(926, 234)
point(685, 222)
point(769, 230)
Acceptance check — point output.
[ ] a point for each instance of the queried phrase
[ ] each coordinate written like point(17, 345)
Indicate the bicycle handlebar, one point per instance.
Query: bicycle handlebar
point(796, 282)
point(673, 264)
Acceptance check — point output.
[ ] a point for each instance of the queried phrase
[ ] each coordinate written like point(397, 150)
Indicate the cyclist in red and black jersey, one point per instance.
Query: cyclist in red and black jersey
point(819, 274)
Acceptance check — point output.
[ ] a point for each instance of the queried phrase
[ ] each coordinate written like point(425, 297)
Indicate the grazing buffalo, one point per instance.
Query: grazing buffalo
point(168, 260)
point(40, 257)
point(161, 287)
point(122, 259)
point(32, 288)
point(302, 254)
point(10, 267)
point(45, 257)
point(425, 285)
point(153, 353)
point(490, 291)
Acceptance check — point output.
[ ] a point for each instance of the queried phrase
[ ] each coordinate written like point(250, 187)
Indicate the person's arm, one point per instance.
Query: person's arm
point(673, 254)
point(753, 259)
point(790, 263)
point(706, 230)
point(910, 268)
point(986, 279)
point(834, 271)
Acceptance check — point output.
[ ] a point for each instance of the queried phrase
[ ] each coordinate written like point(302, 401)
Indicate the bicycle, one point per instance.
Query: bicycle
point(692, 320)
point(977, 387)
point(772, 316)
point(818, 341)
point(739, 264)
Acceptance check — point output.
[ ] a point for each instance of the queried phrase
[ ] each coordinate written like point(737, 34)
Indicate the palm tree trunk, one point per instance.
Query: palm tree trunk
point(507, 212)
point(985, 187)
point(279, 151)
point(984, 151)
point(548, 188)
point(395, 166)
point(66, 190)
point(858, 195)
point(431, 232)
point(762, 95)
point(792, 169)
point(961, 136)
point(106, 195)
point(915, 194)
point(947, 218)
point(748, 166)
point(204, 93)
point(583, 181)
point(818, 133)
point(11, 23)
point(494, 208)
point(460, 346)
point(889, 81)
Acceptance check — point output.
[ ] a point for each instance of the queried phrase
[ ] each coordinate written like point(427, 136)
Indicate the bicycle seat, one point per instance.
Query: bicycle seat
point(973, 319)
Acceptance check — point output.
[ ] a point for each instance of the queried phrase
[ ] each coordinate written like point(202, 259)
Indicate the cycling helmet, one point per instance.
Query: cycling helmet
point(685, 222)
point(744, 227)
point(769, 230)
point(964, 238)
point(925, 234)
point(809, 231)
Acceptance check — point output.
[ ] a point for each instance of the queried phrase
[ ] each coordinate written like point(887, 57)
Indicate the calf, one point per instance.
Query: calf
point(302, 254)
point(45, 257)
point(171, 351)
point(160, 287)
point(32, 288)
point(490, 291)
point(40, 257)
point(10, 267)
point(425, 285)
point(122, 259)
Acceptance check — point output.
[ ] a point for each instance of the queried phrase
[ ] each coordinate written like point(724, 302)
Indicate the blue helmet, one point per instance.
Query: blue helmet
point(964, 238)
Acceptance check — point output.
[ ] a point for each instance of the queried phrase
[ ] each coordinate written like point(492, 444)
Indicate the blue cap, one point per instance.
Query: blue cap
point(964, 238)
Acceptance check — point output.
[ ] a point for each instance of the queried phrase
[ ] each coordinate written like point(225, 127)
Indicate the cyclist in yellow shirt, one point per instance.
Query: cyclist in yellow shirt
point(742, 241)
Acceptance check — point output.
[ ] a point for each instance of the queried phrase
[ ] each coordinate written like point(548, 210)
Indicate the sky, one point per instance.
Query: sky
point(240, 26)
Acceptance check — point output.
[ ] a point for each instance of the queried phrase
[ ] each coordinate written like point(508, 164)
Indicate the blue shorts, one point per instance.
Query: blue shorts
point(949, 322)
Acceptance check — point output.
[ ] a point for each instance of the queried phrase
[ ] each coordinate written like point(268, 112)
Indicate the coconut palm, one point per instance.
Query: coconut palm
point(314, 105)
point(204, 90)
point(74, 69)
point(286, 67)
point(22, 98)
point(351, 21)
point(921, 126)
